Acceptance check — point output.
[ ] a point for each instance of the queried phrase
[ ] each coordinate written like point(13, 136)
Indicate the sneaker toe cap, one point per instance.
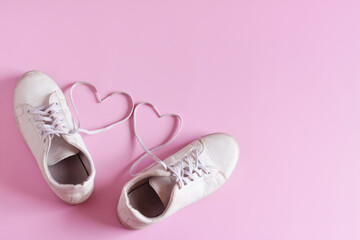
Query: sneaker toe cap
point(224, 150)
point(33, 88)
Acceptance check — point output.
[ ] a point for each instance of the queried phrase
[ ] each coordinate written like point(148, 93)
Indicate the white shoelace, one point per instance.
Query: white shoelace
point(51, 121)
point(184, 170)
point(100, 100)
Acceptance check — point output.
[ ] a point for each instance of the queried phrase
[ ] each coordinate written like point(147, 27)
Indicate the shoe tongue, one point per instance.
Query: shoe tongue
point(163, 186)
point(60, 150)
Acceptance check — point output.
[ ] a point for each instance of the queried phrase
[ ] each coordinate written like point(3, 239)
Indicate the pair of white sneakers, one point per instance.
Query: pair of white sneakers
point(45, 122)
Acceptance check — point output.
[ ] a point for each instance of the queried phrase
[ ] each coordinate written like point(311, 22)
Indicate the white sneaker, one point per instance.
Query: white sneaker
point(189, 175)
point(45, 122)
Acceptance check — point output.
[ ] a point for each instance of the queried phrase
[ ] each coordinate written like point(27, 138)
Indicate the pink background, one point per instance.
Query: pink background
point(283, 77)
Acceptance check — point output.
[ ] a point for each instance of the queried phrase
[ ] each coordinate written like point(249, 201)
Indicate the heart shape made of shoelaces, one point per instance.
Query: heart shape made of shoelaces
point(99, 100)
point(152, 150)
point(133, 112)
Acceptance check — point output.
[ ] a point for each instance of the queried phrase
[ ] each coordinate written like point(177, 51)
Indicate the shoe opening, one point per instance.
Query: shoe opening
point(150, 196)
point(66, 164)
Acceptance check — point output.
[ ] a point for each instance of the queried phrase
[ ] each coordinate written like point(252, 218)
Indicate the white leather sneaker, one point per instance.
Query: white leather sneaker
point(45, 122)
point(189, 175)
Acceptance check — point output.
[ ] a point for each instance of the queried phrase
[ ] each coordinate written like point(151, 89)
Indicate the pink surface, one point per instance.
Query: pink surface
point(283, 77)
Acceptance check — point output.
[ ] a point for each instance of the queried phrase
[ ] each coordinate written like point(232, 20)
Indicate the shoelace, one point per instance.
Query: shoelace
point(51, 121)
point(100, 100)
point(184, 170)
